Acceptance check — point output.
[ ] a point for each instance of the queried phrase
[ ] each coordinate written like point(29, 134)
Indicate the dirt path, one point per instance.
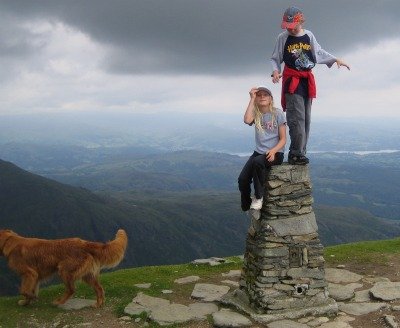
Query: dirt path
point(105, 317)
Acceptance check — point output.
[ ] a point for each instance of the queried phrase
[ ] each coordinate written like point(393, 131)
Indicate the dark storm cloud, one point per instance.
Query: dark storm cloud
point(208, 36)
point(16, 40)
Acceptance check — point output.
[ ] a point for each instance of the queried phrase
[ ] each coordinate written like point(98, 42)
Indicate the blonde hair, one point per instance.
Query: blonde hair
point(258, 115)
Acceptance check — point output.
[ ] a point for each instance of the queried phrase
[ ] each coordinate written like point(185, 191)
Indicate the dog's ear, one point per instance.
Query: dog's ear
point(9, 246)
point(5, 244)
point(6, 231)
point(3, 238)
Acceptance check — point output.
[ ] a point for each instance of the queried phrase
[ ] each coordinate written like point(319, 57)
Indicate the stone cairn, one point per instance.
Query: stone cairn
point(283, 274)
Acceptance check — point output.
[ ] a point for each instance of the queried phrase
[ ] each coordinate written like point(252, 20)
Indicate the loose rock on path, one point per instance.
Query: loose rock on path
point(358, 296)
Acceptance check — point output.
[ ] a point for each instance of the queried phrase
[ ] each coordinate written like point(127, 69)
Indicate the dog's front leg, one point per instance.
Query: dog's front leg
point(29, 286)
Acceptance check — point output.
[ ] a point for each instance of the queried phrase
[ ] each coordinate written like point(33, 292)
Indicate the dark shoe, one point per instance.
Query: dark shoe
point(245, 207)
point(298, 160)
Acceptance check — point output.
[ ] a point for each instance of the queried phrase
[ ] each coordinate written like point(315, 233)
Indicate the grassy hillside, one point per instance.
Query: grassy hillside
point(120, 290)
point(163, 227)
point(369, 182)
point(159, 232)
point(338, 225)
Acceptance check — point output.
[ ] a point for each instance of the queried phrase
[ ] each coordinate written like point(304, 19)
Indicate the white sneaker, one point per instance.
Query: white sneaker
point(256, 204)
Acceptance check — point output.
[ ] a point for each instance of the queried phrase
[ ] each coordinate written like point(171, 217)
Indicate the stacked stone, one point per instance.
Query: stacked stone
point(284, 263)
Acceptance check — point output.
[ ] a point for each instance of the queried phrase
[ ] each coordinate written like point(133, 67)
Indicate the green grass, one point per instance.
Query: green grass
point(363, 252)
point(120, 289)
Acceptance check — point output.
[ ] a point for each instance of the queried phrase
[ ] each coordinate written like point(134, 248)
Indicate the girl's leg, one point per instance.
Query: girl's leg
point(278, 159)
point(261, 167)
point(244, 182)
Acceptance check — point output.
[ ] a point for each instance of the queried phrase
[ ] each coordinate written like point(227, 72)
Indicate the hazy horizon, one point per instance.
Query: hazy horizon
point(165, 131)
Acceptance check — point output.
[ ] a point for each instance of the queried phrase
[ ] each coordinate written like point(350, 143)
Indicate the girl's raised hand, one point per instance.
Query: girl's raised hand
point(253, 92)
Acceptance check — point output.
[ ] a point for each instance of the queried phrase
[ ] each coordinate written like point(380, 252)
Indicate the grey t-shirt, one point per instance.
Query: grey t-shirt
point(269, 136)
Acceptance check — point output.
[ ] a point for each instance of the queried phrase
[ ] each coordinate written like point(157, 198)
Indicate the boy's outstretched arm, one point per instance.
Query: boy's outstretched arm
point(339, 63)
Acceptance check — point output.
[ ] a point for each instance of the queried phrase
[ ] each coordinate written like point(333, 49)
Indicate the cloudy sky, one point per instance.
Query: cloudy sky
point(189, 55)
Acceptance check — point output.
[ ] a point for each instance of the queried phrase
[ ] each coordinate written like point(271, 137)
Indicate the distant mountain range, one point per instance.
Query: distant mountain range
point(368, 182)
point(163, 226)
point(166, 131)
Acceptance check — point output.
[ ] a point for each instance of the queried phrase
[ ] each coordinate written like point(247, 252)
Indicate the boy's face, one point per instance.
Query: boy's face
point(295, 31)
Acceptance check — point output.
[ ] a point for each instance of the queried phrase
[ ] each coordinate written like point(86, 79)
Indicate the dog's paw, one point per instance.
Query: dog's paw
point(58, 301)
point(23, 302)
point(99, 303)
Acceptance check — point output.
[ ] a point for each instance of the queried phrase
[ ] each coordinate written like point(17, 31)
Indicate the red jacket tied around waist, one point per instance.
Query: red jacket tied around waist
point(295, 80)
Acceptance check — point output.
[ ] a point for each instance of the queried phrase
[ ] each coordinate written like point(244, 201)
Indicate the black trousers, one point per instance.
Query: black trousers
point(255, 170)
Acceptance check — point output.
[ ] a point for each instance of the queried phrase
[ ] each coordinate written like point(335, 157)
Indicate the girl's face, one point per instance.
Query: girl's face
point(263, 99)
point(295, 31)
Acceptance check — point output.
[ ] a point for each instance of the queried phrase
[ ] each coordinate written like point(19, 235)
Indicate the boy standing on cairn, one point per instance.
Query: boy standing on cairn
point(300, 51)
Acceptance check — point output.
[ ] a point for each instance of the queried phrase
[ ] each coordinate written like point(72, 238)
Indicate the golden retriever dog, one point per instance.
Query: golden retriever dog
point(72, 258)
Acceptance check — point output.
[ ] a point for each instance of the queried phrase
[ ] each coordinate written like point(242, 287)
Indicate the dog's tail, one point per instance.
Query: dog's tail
point(113, 252)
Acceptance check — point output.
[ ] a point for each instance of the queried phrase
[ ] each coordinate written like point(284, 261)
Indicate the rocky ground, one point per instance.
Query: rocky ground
point(368, 295)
